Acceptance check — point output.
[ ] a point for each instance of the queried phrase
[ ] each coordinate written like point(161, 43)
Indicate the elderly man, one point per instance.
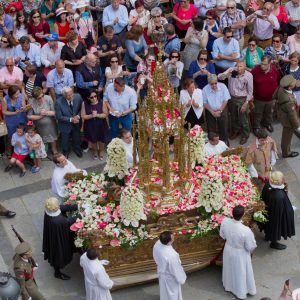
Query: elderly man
point(121, 101)
point(27, 53)
point(215, 97)
point(6, 22)
point(58, 78)
point(50, 53)
point(226, 51)
point(116, 15)
point(172, 42)
point(265, 81)
point(89, 75)
point(10, 75)
point(236, 19)
point(293, 10)
point(240, 85)
point(264, 24)
point(67, 111)
point(204, 5)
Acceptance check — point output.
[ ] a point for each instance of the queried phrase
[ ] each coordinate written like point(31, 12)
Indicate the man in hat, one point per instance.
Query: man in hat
point(24, 272)
point(6, 213)
point(287, 114)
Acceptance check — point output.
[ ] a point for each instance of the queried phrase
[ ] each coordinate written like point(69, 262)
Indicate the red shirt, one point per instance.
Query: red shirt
point(43, 28)
point(188, 14)
point(265, 84)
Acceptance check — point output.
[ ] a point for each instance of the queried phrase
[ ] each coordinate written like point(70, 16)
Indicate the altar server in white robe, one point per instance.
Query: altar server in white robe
point(214, 146)
point(237, 274)
point(170, 271)
point(97, 282)
point(127, 140)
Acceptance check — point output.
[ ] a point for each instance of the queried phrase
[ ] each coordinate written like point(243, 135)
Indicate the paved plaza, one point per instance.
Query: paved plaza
point(27, 195)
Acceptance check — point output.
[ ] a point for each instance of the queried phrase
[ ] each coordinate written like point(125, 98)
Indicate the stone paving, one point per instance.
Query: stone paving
point(26, 196)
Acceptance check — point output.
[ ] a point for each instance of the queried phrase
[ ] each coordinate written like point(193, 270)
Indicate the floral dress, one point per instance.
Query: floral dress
point(40, 152)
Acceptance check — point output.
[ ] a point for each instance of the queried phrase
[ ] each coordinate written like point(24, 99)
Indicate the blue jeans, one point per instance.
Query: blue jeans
point(125, 121)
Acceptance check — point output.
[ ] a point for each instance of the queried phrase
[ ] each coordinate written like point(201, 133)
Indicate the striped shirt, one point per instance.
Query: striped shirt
point(227, 20)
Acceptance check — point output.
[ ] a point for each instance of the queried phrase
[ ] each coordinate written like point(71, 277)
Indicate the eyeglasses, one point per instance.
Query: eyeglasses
point(156, 16)
point(9, 66)
point(276, 41)
point(36, 17)
point(203, 58)
point(93, 97)
point(252, 45)
point(174, 56)
point(228, 36)
point(4, 41)
point(114, 61)
point(267, 9)
point(209, 18)
point(230, 7)
point(149, 59)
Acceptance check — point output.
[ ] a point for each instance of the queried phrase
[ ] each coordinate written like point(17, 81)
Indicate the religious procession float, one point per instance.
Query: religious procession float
point(123, 211)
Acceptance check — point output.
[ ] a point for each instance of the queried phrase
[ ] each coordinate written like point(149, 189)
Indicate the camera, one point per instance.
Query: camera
point(234, 74)
point(124, 68)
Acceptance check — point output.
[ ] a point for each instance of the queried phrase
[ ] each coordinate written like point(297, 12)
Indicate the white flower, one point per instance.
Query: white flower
point(197, 139)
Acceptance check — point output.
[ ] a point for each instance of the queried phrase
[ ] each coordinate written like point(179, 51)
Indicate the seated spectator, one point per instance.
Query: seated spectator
point(38, 29)
point(136, 47)
point(127, 140)
point(62, 25)
point(7, 48)
point(97, 8)
point(10, 75)
point(292, 9)
point(12, 8)
point(74, 52)
point(21, 25)
point(121, 101)
point(172, 42)
point(48, 8)
point(174, 68)
point(253, 54)
point(21, 150)
point(29, 5)
point(199, 69)
point(7, 23)
point(278, 51)
point(88, 75)
point(293, 41)
point(214, 146)
point(95, 128)
point(204, 6)
point(226, 51)
point(192, 99)
point(139, 16)
point(33, 78)
point(27, 53)
point(58, 78)
point(156, 25)
point(42, 114)
point(50, 53)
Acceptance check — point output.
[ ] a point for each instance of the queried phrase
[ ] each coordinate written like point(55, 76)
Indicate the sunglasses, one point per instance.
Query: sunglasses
point(228, 36)
point(252, 45)
point(209, 18)
point(202, 58)
point(36, 17)
point(174, 56)
point(151, 59)
point(276, 41)
point(114, 61)
point(3, 41)
point(230, 7)
point(93, 97)
point(156, 16)
point(9, 65)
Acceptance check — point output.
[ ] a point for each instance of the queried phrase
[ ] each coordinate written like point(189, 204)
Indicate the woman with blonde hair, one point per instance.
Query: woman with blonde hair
point(280, 211)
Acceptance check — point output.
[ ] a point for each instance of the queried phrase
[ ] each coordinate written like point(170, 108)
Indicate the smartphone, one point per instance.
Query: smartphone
point(260, 16)
point(124, 68)
point(287, 282)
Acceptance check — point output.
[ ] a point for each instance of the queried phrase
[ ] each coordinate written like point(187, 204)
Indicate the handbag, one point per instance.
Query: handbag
point(3, 129)
point(89, 41)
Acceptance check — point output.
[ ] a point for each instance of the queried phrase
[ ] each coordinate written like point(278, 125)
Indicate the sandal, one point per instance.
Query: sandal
point(95, 157)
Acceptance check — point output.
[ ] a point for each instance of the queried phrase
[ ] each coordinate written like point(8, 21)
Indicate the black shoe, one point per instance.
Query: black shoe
point(255, 131)
point(22, 174)
point(10, 214)
point(8, 168)
point(79, 154)
point(66, 154)
point(291, 154)
point(269, 128)
point(62, 276)
point(277, 246)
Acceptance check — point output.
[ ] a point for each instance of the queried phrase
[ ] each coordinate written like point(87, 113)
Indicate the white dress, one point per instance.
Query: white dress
point(210, 149)
point(170, 271)
point(97, 282)
point(237, 274)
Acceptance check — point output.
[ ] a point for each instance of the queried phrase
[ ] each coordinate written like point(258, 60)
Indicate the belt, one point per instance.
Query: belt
point(264, 40)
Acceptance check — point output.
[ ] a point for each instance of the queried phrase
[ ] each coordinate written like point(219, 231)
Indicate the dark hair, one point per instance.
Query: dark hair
point(91, 254)
point(227, 30)
point(19, 14)
point(174, 51)
point(33, 12)
point(56, 156)
point(71, 36)
point(266, 57)
point(12, 90)
point(203, 52)
point(212, 13)
point(253, 39)
point(24, 40)
point(262, 133)
point(277, 35)
point(138, 3)
point(198, 23)
point(135, 32)
point(58, 18)
point(36, 91)
point(11, 42)
point(122, 132)
point(120, 81)
point(91, 91)
point(238, 212)
point(31, 128)
point(165, 237)
point(187, 82)
point(31, 69)
point(108, 28)
point(211, 135)
point(169, 29)
point(294, 55)
point(116, 56)
point(20, 126)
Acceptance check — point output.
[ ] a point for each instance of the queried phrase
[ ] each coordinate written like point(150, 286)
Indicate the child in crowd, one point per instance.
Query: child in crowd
point(18, 141)
point(36, 145)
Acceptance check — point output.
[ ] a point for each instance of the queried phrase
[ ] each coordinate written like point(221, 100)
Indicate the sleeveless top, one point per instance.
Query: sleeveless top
point(63, 30)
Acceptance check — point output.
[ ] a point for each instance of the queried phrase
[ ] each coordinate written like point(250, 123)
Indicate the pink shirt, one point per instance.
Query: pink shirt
point(10, 78)
point(188, 14)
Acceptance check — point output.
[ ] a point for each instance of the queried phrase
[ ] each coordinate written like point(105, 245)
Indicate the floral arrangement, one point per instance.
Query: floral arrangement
point(260, 216)
point(197, 138)
point(117, 164)
point(171, 120)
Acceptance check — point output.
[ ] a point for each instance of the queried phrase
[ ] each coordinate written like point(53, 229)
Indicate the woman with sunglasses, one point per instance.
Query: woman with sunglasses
point(95, 127)
point(114, 70)
point(293, 41)
point(174, 68)
point(200, 68)
point(21, 25)
point(38, 29)
point(278, 50)
point(7, 48)
point(281, 15)
point(252, 54)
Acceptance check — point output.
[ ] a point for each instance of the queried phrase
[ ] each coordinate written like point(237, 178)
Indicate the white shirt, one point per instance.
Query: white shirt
point(48, 56)
point(197, 96)
point(129, 153)
point(210, 149)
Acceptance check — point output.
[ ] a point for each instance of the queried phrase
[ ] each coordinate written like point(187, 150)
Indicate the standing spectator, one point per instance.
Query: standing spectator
point(204, 6)
point(127, 140)
point(288, 114)
point(240, 86)
point(58, 78)
point(264, 24)
point(116, 15)
point(62, 25)
point(6, 213)
point(174, 68)
point(67, 111)
point(7, 48)
point(96, 131)
point(280, 211)
point(38, 29)
point(42, 113)
point(27, 53)
point(215, 97)
point(6, 23)
point(136, 47)
point(139, 16)
point(226, 51)
point(293, 41)
point(214, 146)
point(74, 52)
point(156, 25)
point(252, 54)
point(278, 51)
point(171, 275)
point(262, 92)
point(30, 5)
point(48, 8)
point(97, 7)
point(199, 69)
point(192, 99)
point(97, 281)
point(183, 13)
point(237, 276)
point(236, 20)
point(281, 15)
point(293, 10)
point(50, 53)
point(121, 101)
point(21, 25)
point(88, 75)
point(172, 42)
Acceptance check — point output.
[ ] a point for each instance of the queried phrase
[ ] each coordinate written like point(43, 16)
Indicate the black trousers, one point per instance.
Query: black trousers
point(71, 138)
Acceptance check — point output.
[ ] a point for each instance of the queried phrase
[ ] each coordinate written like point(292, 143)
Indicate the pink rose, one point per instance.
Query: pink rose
point(115, 243)
point(76, 226)
point(73, 197)
point(101, 225)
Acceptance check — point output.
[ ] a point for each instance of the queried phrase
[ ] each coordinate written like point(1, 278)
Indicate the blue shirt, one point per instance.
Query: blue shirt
point(215, 99)
point(232, 47)
point(9, 24)
point(172, 44)
point(120, 102)
point(23, 150)
point(134, 49)
point(58, 82)
point(200, 80)
point(110, 14)
point(34, 55)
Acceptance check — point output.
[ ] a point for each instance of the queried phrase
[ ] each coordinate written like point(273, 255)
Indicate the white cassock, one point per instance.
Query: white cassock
point(129, 153)
point(170, 271)
point(97, 282)
point(237, 274)
point(210, 149)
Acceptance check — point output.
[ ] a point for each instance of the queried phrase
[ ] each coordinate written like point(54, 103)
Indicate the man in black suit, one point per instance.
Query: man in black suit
point(67, 110)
